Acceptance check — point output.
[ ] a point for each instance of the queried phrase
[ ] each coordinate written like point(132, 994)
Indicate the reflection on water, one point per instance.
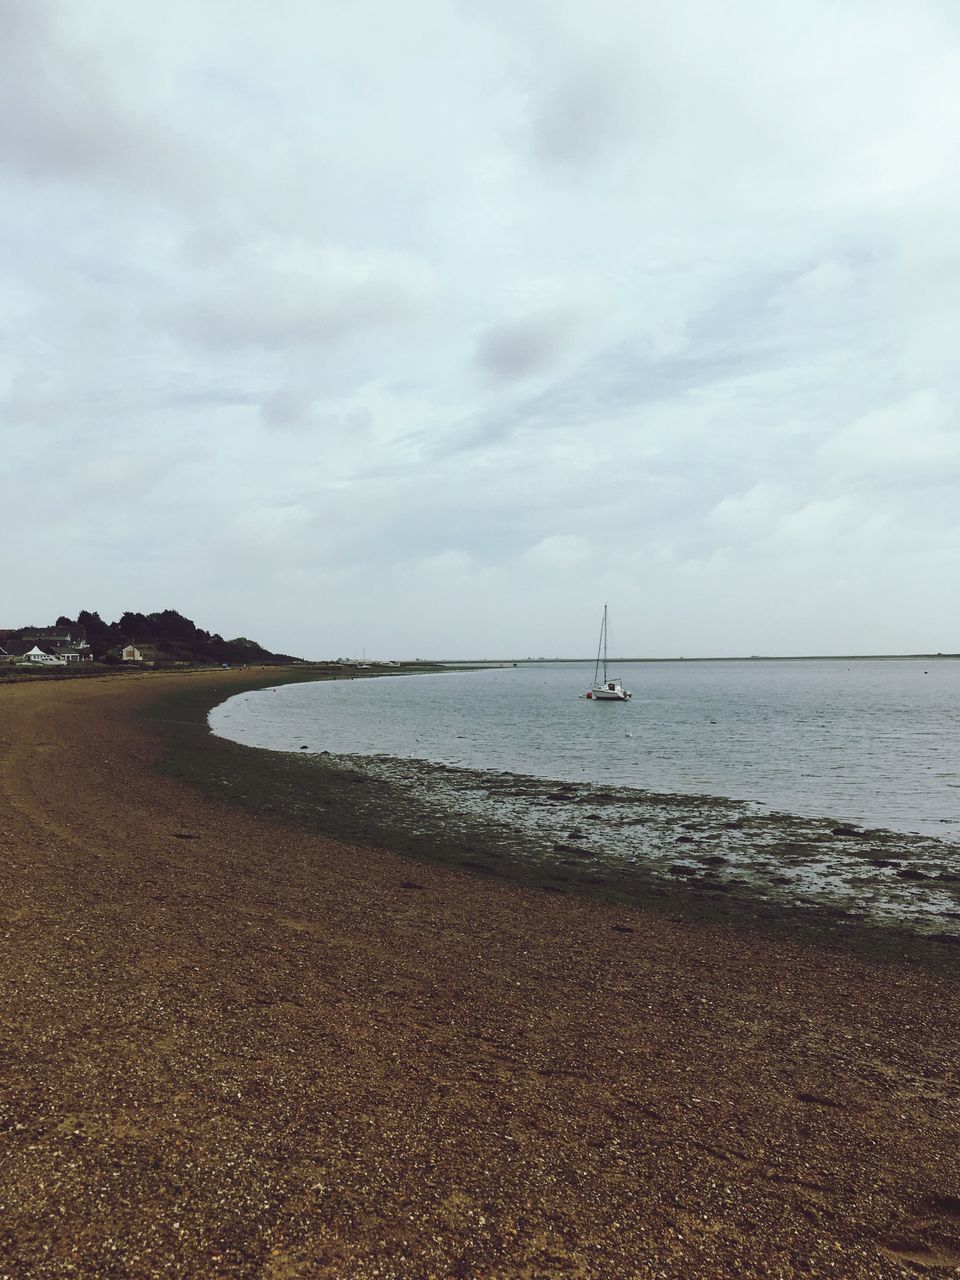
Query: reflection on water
point(873, 741)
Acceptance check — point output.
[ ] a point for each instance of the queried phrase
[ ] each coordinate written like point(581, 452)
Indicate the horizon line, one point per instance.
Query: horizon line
point(746, 657)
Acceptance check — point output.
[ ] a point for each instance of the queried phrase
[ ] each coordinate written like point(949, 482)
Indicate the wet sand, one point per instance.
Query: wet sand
point(236, 1048)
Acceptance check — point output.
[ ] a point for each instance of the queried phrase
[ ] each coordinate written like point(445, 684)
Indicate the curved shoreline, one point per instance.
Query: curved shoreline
point(239, 1049)
point(704, 857)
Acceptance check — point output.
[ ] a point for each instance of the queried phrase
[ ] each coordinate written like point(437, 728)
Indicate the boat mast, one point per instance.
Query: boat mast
point(601, 649)
point(604, 644)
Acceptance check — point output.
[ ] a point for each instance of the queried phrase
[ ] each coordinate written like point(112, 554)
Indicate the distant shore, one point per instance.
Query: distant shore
point(752, 657)
point(238, 1048)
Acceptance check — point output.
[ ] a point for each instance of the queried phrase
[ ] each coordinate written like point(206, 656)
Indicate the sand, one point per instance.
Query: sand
point(233, 1048)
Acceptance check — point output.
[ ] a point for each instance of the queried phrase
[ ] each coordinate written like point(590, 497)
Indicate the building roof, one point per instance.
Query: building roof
point(17, 647)
point(47, 635)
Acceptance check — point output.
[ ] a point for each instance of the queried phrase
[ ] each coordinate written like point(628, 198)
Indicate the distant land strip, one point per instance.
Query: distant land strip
point(753, 657)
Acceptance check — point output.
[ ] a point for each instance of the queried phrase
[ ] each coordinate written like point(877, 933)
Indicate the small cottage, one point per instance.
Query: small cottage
point(138, 653)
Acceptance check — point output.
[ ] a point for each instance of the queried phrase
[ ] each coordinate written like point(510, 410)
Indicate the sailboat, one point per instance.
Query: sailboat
point(609, 688)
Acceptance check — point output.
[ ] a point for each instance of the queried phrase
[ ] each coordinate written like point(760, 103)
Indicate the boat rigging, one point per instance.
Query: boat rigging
point(606, 688)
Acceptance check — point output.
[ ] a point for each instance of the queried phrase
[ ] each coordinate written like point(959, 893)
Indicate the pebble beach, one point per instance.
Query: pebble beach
point(236, 1047)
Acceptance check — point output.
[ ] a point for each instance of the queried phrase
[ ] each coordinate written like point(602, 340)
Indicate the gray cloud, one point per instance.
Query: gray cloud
point(287, 407)
point(277, 306)
point(516, 349)
point(66, 119)
point(585, 113)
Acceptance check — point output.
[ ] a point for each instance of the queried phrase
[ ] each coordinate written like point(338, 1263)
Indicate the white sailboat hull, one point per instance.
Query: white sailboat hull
point(603, 693)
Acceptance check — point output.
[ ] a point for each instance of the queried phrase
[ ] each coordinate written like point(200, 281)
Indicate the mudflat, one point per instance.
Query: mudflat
point(235, 1048)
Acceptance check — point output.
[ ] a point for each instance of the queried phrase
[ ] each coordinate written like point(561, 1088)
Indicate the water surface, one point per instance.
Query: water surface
point(869, 741)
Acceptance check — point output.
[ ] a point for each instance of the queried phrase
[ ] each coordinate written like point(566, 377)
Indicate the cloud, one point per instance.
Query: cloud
point(277, 300)
point(66, 120)
point(584, 113)
point(559, 551)
point(287, 407)
point(291, 408)
point(914, 441)
point(72, 122)
point(32, 400)
point(516, 349)
point(751, 513)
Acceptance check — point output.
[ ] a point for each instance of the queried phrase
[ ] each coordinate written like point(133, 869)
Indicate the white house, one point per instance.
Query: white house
point(36, 654)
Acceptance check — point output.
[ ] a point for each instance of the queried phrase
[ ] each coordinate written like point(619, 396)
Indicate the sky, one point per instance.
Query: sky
point(424, 330)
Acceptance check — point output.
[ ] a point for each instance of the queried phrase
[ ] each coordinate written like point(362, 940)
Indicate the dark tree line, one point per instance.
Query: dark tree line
point(174, 637)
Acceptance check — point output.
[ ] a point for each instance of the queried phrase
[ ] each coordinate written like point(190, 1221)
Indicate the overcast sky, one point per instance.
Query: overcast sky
point(422, 329)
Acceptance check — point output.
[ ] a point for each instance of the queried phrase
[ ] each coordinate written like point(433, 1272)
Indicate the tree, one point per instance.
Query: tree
point(171, 625)
point(134, 626)
point(94, 624)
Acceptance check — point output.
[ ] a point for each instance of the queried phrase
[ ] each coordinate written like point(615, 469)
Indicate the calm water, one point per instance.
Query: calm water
point(875, 742)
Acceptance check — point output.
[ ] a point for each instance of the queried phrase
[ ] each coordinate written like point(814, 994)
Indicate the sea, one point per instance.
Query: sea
point(796, 749)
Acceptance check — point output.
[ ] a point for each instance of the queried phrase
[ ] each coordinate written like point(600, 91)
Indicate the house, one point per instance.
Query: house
point(138, 653)
point(47, 656)
point(69, 643)
point(71, 653)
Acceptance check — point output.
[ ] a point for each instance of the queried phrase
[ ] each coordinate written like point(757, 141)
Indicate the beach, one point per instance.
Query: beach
point(236, 1047)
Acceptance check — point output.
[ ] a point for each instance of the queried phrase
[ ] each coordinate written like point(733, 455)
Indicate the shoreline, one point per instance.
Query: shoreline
point(240, 1049)
point(701, 857)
